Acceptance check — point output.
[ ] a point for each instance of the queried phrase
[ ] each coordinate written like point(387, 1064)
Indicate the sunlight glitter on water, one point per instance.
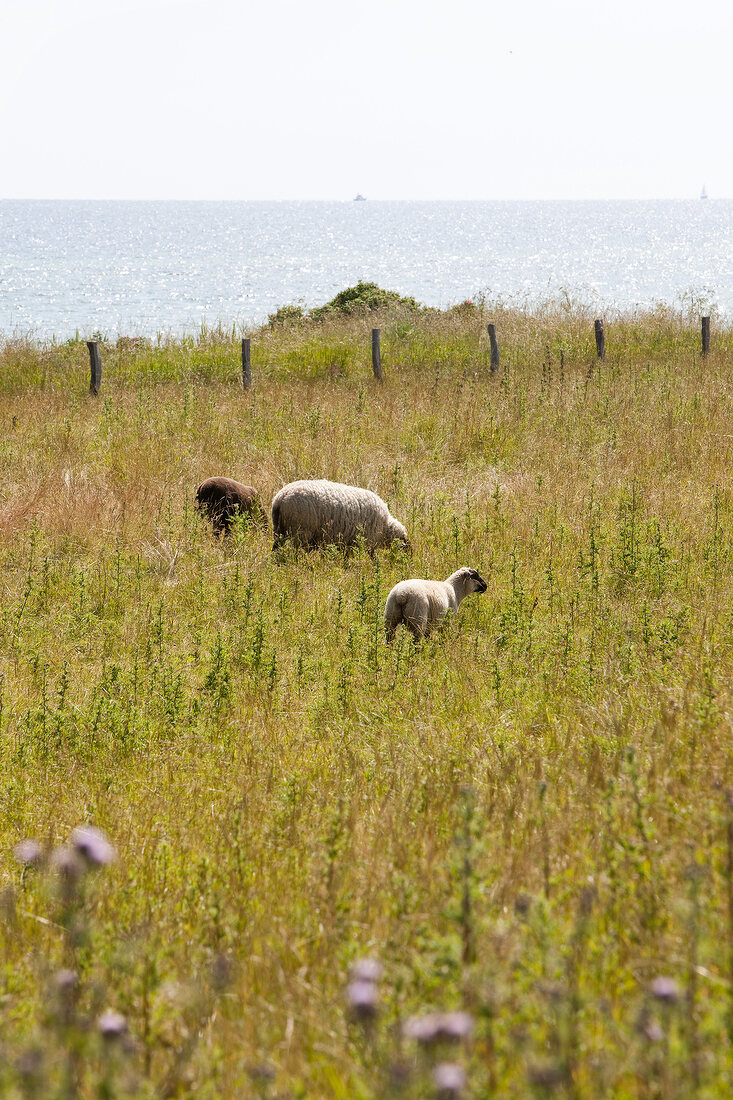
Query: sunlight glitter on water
point(148, 267)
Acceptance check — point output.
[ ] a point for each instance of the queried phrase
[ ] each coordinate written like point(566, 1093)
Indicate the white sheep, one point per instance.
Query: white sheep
point(315, 513)
point(421, 605)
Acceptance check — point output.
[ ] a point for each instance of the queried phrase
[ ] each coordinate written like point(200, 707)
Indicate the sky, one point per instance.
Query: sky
point(396, 99)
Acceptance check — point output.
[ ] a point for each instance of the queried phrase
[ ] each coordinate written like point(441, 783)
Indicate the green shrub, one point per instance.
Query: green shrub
point(286, 315)
point(363, 298)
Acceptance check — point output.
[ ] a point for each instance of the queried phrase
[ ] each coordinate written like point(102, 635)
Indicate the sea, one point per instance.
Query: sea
point(118, 268)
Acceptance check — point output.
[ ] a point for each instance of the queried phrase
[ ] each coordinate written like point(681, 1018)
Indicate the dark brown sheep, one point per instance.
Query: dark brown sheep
point(222, 499)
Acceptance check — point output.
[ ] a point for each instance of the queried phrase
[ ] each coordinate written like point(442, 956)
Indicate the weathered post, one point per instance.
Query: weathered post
point(494, 348)
point(246, 364)
point(705, 336)
point(376, 355)
point(600, 341)
point(95, 362)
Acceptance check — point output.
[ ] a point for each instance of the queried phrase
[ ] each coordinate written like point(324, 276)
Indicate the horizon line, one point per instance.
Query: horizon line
point(91, 198)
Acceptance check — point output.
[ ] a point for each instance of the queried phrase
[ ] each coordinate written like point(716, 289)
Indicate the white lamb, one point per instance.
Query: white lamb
point(315, 513)
point(421, 605)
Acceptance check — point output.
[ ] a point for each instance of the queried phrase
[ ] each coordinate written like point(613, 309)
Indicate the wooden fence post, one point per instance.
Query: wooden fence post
point(376, 355)
point(246, 364)
point(494, 348)
point(600, 341)
point(95, 362)
point(705, 336)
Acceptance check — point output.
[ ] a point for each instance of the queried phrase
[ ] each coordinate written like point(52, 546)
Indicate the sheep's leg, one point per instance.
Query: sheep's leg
point(415, 615)
point(393, 616)
point(228, 518)
point(218, 519)
point(417, 629)
point(392, 619)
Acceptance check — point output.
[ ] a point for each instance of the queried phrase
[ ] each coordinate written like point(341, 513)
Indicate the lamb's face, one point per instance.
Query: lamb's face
point(475, 582)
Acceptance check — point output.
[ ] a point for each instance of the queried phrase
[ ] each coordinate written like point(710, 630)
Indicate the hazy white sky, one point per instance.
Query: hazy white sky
point(394, 98)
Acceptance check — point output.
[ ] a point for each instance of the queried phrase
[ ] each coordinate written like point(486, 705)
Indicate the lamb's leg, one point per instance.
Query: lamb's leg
point(415, 614)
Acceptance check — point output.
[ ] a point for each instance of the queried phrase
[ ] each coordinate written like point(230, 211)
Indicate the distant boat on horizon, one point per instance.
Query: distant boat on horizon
point(703, 193)
point(359, 197)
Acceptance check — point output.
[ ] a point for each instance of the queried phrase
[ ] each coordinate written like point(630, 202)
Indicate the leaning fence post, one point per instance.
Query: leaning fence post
point(705, 335)
point(376, 355)
point(95, 362)
point(494, 347)
point(600, 341)
point(246, 364)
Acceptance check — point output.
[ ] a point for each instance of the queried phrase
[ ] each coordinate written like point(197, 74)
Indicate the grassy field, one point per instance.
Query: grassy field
point(527, 818)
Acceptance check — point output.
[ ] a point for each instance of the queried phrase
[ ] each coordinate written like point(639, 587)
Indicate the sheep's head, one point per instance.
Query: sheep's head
point(473, 580)
point(397, 533)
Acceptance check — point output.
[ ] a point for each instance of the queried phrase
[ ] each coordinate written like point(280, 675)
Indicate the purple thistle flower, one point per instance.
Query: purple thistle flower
point(112, 1025)
point(666, 990)
point(456, 1025)
point(28, 852)
point(435, 1027)
point(65, 980)
point(366, 970)
point(93, 845)
point(68, 863)
point(449, 1080)
point(423, 1029)
point(362, 998)
point(649, 1027)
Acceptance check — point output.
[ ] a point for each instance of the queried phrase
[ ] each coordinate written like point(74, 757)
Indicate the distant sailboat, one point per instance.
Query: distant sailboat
point(360, 197)
point(703, 193)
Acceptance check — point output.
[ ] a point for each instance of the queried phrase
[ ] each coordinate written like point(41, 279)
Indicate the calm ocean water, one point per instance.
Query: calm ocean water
point(147, 267)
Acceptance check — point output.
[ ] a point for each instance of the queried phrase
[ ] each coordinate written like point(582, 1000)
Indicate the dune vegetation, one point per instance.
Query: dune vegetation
point(526, 821)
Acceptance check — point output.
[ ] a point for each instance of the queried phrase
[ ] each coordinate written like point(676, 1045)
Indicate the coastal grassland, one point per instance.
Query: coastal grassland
point(528, 817)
